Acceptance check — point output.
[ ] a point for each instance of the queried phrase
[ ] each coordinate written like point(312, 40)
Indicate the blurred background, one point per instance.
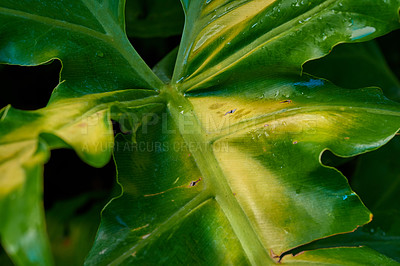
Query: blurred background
point(75, 193)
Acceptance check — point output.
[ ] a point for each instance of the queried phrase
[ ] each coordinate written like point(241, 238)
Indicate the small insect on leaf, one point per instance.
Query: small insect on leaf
point(194, 183)
point(230, 112)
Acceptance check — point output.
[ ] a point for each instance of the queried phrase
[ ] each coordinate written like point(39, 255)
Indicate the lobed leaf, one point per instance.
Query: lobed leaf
point(257, 175)
point(223, 164)
point(86, 35)
point(380, 197)
point(222, 38)
point(25, 140)
point(341, 256)
point(260, 113)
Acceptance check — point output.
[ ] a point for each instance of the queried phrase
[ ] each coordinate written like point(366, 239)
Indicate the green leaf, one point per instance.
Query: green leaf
point(23, 232)
point(223, 38)
point(340, 256)
point(355, 66)
point(380, 197)
point(165, 68)
point(25, 140)
point(261, 177)
point(223, 164)
point(88, 38)
point(371, 236)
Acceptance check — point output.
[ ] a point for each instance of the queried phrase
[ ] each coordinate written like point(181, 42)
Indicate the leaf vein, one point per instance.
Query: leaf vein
point(55, 22)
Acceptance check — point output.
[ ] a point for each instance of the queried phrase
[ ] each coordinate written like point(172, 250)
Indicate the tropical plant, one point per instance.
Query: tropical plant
point(219, 155)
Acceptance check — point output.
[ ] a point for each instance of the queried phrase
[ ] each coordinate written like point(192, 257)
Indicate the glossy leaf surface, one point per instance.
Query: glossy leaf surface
point(224, 37)
point(83, 35)
point(267, 163)
point(26, 137)
point(375, 179)
point(87, 36)
point(340, 256)
point(222, 164)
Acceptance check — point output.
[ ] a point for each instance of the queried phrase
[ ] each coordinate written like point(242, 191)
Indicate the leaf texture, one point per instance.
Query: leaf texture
point(225, 37)
point(83, 36)
point(222, 165)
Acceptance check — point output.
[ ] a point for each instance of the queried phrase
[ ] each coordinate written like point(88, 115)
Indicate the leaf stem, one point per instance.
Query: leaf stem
point(216, 182)
point(120, 41)
point(185, 210)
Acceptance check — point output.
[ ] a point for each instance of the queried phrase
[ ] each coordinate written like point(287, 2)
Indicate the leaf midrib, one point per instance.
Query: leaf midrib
point(114, 37)
point(215, 179)
point(240, 55)
point(120, 41)
point(216, 188)
point(51, 21)
point(185, 210)
point(266, 118)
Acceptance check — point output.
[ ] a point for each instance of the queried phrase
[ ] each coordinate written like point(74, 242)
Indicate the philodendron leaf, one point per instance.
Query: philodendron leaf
point(25, 139)
point(376, 177)
point(340, 256)
point(223, 164)
point(243, 180)
point(87, 36)
point(230, 172)
point(100, 67)
point(222, 38)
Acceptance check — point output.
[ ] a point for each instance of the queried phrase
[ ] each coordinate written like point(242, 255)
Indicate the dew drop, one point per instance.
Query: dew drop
point(146, 236)
point(361, 33)
point(99, 53)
